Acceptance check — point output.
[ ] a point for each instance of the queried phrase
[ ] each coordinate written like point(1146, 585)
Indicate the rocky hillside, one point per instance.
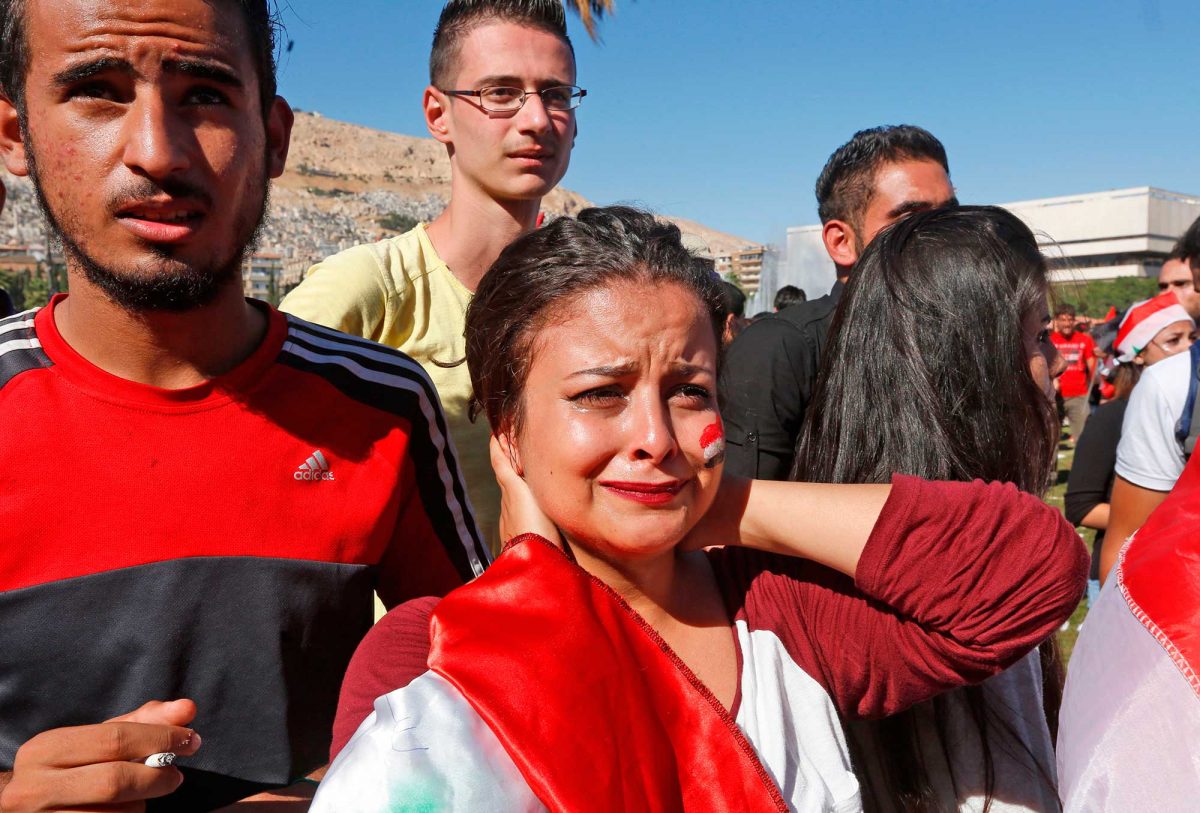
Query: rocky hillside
point(342, 181)
point(349, 170)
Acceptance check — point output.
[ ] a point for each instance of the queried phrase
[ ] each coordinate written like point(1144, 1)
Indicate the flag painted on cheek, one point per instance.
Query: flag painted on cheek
point(712, 443)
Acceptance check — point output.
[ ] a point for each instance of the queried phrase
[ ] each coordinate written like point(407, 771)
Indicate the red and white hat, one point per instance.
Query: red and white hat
point(1143, 321)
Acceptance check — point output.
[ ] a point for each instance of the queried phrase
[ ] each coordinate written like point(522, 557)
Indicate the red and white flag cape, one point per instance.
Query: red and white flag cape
point(1129, 736)
point(600, 715)
point(593, 713)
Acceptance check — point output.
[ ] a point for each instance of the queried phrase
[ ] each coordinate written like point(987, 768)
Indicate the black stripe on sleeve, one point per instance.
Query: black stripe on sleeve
point(19, 358)
point(328, 363)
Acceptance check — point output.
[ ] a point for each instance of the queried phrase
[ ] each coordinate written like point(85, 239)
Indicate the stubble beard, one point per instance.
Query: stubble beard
point(163, 284)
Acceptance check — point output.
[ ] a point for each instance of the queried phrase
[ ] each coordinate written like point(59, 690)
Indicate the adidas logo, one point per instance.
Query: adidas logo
point(315, 468)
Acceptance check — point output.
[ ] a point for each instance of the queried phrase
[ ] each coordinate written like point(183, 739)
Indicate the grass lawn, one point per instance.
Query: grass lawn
point(1066, 454)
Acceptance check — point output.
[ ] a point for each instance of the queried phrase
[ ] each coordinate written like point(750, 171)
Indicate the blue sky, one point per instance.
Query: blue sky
point(725, 111)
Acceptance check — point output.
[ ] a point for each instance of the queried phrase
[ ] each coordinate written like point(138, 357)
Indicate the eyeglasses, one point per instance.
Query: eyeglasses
point(510, 100)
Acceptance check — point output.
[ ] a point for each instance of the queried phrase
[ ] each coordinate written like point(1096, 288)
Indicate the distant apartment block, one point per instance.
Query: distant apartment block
point(261, 273)
point(1093, 236)
point(746, 264)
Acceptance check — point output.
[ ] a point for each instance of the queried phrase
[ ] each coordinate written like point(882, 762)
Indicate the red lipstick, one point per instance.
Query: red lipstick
point(646, 493)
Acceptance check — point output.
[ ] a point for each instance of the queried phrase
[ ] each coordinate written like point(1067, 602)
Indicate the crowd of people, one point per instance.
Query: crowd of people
point(637, 551)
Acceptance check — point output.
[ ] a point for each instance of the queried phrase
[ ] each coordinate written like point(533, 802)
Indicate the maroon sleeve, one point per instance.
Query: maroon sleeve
point(956, 583)
point(391, 656)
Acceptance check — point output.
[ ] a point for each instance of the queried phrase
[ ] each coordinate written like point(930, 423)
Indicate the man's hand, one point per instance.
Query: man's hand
point(85, 767)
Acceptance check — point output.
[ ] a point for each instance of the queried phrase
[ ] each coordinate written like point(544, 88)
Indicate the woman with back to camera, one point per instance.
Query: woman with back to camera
point(940, 366)
point(609, 660)
point(1152, 330)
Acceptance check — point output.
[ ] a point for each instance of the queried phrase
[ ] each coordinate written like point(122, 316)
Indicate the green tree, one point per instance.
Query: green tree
point(15, 283)
point(273, 295)
point(591, 12)
point(733, 280)
point(1095, 297)
point(38, 291)
point(397, 222)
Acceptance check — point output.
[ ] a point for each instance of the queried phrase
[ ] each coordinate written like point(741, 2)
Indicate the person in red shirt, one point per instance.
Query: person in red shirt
point(1079, 352)
point(202, 493)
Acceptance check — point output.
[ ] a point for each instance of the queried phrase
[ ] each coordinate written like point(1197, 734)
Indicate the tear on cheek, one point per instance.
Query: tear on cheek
point(712, 444)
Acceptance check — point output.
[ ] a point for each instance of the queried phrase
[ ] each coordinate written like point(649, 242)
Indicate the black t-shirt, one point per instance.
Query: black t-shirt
point(1094, 468)
point(767, 382)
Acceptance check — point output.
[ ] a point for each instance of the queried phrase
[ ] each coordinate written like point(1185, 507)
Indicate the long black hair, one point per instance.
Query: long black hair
point(927, 372)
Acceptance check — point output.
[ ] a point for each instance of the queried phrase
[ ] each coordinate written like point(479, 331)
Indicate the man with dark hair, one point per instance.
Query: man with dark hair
point(1188, 244)
point(208, 491)
point(789, 295)
point(502, 98)
point(878, 177)
point(1179, 268)
point(1078, 350)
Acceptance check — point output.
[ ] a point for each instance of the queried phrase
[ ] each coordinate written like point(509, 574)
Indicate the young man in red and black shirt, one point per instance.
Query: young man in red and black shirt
point(200, 493)
point(1079, 352)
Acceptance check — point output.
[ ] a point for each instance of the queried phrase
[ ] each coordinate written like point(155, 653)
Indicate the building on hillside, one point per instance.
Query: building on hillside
point(746, 264)
point(21, 264)
point(261, 274)
point(17, 258)
point(1093, 236)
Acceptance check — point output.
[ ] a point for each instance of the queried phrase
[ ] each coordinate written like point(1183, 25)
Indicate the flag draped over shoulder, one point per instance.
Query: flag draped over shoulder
point(599, 714)
point(1130, 723)
point(1160, 575)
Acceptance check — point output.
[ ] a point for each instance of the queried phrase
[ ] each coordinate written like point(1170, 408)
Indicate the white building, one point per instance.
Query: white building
point(1094, 236)
point(1105, 235)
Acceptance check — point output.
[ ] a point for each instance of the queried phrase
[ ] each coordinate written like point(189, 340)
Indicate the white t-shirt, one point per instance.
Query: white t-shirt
point(1149, 455)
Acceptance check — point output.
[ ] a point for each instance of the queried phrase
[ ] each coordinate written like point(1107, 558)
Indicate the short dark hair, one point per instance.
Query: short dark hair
point(460, 17)
point(543, 271)
point(1065, 309)
point(847, 182)
point(917, 294)
point(262, 26)
point(789, 295)
point(735, 300)
point(1187, 247)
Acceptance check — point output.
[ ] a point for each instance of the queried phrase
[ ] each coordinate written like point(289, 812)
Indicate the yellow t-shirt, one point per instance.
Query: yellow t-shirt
point(400, 293)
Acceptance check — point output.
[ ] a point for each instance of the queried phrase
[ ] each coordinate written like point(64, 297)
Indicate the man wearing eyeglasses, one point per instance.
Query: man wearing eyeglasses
point(501, 97)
